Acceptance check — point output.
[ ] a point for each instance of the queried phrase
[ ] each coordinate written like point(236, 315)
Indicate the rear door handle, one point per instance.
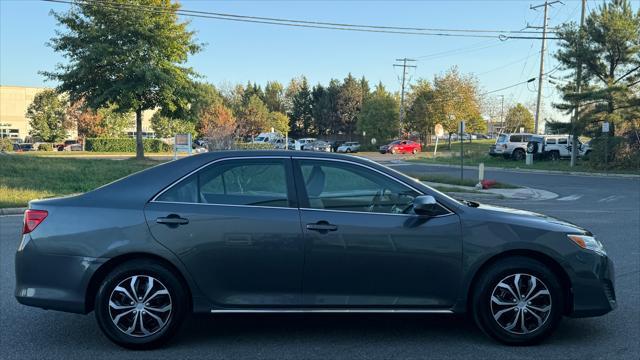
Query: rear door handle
point(322, 227)
point(172, 220)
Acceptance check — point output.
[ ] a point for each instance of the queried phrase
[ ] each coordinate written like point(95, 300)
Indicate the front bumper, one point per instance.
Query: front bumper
point(593, 287)
point(51, 281)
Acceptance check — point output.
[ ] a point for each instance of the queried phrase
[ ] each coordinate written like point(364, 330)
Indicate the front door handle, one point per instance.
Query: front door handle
point(322, 227)
point(172, 220)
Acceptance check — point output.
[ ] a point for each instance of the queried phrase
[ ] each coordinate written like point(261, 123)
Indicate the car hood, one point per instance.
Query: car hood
point(528, 218)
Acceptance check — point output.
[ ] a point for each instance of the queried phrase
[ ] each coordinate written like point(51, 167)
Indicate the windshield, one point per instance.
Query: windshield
point(502, 138)
point(261, 139)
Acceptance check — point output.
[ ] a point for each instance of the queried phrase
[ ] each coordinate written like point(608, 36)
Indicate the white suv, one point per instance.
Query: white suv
point(511, 145)
point(555, 147)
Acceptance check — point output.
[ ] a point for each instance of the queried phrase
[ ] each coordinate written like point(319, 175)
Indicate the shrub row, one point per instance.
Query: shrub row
point(253, 146)
point(125, 145)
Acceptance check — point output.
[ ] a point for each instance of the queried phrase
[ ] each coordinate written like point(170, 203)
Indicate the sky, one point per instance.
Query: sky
point(236, 52)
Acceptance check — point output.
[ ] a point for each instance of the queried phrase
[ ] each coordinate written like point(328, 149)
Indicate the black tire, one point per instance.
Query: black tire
point(348, 150)
point(518, 154)
point(554, 155)
point(176, 293)
point(482, 300)
point(414, 151)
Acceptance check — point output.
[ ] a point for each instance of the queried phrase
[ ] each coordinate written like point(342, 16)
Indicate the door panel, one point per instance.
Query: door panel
point(236, 227)
point(381, 260)
point(364, 246)
point(237, 255)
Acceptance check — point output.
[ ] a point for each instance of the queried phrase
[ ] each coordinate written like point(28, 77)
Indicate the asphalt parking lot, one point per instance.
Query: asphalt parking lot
point(609, 207)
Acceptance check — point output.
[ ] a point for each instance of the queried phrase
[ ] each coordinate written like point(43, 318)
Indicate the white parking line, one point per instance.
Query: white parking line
point(573, 197)
point(611, 198)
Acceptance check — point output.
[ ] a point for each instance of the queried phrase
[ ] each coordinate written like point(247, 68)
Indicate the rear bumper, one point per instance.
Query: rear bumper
point(593, 287)
point(51, 281)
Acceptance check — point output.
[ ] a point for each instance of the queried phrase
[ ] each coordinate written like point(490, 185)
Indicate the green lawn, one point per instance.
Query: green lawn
point(23, 178)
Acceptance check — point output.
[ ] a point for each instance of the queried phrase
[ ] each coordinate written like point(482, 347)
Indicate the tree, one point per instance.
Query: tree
point(218, 125)
point(300, 116)
point(274, 96)
point(607, 53)
point(254, 117)
point(125, 55)
point(420, 117)
point(518, 116)
point(456, 98)
point(166, 127)
point(379, 115)
point(279, 122)
point(47, 117)
point(107, 122)
point(349, 104)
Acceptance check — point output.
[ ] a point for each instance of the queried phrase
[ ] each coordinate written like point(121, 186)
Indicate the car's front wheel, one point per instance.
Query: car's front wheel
point(518, 301)
point(140, 304)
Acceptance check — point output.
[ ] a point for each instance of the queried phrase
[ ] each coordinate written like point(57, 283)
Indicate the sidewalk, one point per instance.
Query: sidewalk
point(523, 193)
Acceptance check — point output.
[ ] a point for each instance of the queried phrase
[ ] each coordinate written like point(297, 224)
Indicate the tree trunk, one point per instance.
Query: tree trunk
point(139, 144)
point(449, 142)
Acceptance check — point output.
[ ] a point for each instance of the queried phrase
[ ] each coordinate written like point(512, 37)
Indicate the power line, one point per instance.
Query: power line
point(509, 87)
point(314, 25)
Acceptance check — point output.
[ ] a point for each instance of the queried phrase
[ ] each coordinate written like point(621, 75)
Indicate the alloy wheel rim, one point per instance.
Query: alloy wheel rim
point(140, 306)
point(520, 303)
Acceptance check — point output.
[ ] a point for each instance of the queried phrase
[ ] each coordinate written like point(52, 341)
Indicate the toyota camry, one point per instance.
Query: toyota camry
point(273, 231)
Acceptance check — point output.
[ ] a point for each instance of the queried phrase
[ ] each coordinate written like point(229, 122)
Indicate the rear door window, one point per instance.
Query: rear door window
point(562, 141)
point(551, 141)
point(516, 138)
point(253, 182)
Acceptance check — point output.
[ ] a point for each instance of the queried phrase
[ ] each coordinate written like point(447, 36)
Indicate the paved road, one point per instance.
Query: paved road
point(610, 207)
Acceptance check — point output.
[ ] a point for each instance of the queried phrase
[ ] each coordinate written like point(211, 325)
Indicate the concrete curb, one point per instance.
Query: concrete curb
point(12, 211)
point(518, 170)
point(523, 193)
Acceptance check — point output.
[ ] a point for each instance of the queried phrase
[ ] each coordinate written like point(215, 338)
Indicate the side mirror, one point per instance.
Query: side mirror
point(425, 205)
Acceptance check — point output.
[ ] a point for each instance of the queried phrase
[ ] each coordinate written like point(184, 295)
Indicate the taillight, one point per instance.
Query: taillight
point(33, 218)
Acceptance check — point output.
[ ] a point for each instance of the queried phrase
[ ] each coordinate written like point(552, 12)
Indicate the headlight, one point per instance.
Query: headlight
point(588, 242)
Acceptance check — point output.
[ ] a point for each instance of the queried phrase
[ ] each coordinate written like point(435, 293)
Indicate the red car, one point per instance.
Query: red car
point(401, 147)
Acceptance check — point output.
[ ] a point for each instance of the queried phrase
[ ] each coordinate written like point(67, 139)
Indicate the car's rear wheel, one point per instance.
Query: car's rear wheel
point(554, 155)
point(518, 154)
point(414, 151)
point(140, 305)
point(348, 150)
point(518, 301)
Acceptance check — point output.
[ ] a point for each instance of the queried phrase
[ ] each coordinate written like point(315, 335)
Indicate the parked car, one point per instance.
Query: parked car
point(69, 145)
point(349, 147)
point(555, 147)
point(268, 138)
point(301, 142)
point(318, 145)
point(401, 147)
point(511, 146)
point(24, 147)
point(317, 233)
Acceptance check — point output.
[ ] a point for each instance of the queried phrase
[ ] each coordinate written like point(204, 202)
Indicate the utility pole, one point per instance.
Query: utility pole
point(404, 75)
point(502, 114)
point(544, 43)
point(574, 119)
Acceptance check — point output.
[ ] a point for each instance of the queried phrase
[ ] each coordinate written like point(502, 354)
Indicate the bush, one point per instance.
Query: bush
point(6, 145)
point(621, 153)
point(253, 146)
point(45, 147)
point(125, 145)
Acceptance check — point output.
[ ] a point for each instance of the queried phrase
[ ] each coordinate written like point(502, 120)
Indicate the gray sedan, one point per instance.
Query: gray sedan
point(263, 231)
